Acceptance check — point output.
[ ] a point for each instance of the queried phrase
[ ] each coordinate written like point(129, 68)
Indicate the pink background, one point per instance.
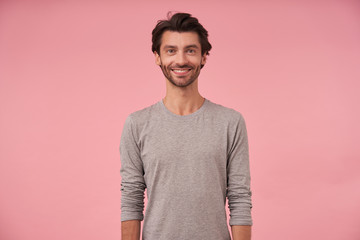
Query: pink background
point(71, 72)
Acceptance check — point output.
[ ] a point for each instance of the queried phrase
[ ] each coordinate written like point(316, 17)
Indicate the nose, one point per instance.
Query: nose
point(180, 58)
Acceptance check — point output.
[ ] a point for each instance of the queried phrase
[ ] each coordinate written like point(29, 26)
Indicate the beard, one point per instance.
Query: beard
point(183, 81)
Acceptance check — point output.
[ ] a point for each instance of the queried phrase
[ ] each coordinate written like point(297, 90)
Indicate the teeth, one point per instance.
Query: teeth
point(179, 71)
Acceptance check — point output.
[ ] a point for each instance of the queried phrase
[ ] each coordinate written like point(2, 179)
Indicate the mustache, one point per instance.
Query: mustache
point(181, 66)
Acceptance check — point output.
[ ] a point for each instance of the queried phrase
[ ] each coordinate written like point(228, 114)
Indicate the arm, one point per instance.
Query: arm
point(130, 230)
point(238, 182)
point(132, 183)
point(241, 232)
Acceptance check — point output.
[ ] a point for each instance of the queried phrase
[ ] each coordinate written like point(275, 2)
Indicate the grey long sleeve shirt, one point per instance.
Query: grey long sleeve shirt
point(189, 165)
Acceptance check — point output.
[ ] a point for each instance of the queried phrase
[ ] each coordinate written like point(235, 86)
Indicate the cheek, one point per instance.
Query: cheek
point(163, 61)
point(196, 60)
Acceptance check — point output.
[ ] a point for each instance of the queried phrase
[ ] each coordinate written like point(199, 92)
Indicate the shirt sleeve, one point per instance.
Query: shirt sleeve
point(238, 177)
point(132, 174)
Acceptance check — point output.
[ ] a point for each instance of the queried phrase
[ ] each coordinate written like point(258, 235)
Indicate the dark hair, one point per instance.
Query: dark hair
point(180, 22)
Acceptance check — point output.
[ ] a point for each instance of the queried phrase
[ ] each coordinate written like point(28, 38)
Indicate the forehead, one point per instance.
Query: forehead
point(180, 39)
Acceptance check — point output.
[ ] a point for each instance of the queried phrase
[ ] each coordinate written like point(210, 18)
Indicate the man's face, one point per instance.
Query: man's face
point(180, 57)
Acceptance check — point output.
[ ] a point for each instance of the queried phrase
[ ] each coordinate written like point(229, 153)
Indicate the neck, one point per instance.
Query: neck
point(183, 101)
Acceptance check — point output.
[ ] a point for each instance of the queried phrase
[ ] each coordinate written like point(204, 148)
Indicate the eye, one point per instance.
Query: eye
point(170, 51)
point(191, 51)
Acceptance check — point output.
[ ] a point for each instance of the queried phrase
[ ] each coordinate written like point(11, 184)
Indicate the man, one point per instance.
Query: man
point(188, 152)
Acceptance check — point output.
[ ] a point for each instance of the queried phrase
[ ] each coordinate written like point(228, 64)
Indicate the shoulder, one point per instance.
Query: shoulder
point(226, 114)
point(142, 115)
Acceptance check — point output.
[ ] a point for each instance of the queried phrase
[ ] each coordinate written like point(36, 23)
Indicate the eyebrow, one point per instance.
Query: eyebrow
point(192, 46)
point(188, 46)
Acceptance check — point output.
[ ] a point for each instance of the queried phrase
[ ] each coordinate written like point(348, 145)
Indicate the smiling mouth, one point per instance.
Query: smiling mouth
point(181, 71)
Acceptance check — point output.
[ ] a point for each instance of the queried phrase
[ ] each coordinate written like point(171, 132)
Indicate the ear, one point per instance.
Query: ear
point(157, 58)
point(203, 59)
